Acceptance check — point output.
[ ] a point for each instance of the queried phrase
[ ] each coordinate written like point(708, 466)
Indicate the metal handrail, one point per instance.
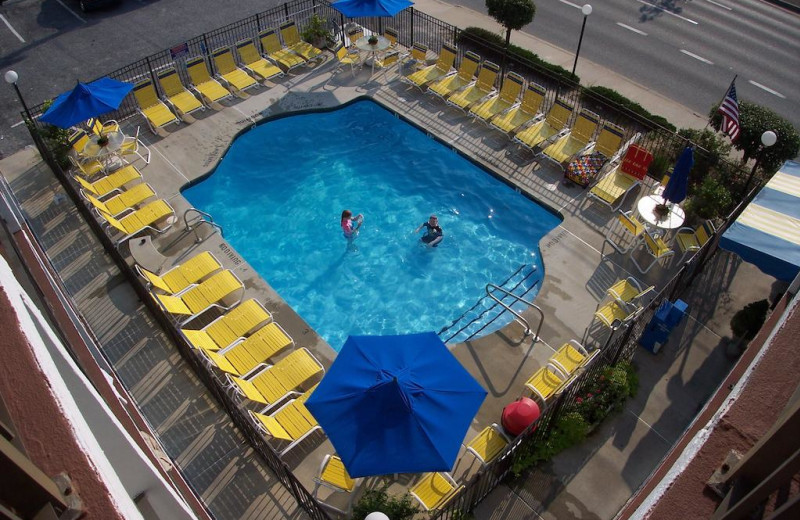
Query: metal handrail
point(205, 218)
point(523, 321)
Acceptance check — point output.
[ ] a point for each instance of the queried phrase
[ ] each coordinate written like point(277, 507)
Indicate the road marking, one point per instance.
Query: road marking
point(637, 31)
point(73, 13)
point(17, 124)
point(695, 56)
point(719, 5)
point(666, 12)
point(774, 92)
point(570, 4)
point(11, 28)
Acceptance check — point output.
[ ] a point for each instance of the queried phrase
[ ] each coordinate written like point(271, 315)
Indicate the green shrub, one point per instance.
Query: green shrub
point(484, 41)
point(401, 508)
point(607, 392)
point(570, 429)
point(710, 200)
point(747, 322)
point(659, 166)
point(620, 101)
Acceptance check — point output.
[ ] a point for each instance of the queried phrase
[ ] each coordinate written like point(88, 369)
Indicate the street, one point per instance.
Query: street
point(688, 51)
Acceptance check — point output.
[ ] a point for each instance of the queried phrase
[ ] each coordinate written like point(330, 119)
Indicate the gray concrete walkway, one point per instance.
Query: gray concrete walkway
point(590, 481)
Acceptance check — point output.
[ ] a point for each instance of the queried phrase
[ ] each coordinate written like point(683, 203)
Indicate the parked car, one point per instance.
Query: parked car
point(91, 5)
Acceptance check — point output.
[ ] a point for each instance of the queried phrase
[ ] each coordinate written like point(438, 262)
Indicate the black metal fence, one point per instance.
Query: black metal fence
point(412, 26)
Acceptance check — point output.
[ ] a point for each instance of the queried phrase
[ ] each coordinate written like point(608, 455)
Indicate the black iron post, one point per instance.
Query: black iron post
point(586, 10)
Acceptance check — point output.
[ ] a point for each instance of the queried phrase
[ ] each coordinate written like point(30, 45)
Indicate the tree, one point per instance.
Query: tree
point(511, 14)
point(754, 120)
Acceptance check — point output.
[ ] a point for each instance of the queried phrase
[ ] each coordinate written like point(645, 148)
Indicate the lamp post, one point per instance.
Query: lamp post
point(12, 77)
point(377, 515)
point(768, 138)
point(586, 10)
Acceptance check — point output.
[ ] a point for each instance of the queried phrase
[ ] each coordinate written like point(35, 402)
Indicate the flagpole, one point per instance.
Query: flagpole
point(723, 98)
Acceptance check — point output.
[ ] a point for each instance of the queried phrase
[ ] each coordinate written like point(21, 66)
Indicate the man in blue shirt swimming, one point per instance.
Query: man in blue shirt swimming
point(433, 233)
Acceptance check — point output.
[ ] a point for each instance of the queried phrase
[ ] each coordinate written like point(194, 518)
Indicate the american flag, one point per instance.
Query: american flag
point(729, 108)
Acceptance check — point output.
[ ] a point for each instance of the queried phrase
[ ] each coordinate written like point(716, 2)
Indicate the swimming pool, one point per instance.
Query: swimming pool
point(281, 188)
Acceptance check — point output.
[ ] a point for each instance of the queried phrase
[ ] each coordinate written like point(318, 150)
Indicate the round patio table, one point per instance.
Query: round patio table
point(105, 153)
point(647, 209)
point(364, 45)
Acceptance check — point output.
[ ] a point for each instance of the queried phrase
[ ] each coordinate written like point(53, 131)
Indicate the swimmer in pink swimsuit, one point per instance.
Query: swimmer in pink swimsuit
point(351, 224)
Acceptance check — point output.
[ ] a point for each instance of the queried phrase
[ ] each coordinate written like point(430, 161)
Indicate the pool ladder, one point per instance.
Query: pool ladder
point(202, 218)
point(490, 289)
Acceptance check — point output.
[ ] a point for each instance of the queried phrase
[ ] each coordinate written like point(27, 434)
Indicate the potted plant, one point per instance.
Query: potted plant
point(373, 39)
point(661, 211)
point(102, 140)
point(746, 323)
point(316, 32)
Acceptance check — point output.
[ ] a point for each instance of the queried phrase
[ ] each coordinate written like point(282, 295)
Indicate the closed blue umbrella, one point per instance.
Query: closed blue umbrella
point(396, 404)
point(367, 8)
point(85, 101)
point(675, 190)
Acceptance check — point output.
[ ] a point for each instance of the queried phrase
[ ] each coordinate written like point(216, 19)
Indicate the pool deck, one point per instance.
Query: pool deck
point(590, 481)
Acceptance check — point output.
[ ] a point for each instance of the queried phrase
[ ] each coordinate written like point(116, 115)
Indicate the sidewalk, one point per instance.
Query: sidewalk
point(591, 73)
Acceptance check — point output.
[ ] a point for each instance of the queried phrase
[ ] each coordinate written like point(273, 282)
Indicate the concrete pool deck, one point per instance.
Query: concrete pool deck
point(591, 481)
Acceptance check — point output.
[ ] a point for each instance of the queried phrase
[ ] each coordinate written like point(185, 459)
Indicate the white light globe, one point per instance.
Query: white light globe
point(769, 138)
point(377, 515)
point(586, 9)
point(11, 76)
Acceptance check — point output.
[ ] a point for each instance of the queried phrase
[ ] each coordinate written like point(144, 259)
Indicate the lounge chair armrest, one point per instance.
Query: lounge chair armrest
point(580, 348)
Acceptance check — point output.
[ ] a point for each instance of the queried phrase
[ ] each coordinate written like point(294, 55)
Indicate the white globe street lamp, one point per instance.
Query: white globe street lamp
point(586, 10)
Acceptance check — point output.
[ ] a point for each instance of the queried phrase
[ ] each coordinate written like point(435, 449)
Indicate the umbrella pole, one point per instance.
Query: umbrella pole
point(341, 18)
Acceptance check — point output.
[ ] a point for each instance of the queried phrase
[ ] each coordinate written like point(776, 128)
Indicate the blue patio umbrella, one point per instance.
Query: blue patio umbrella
point(85, 101)
point(396, 404)
point(675, 190)
point(368, 8)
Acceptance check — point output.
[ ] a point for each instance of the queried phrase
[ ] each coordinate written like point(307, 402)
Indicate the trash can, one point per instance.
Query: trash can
point(666, 317)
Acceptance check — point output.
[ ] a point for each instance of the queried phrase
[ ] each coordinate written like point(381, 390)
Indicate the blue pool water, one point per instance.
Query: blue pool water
point(279, 193)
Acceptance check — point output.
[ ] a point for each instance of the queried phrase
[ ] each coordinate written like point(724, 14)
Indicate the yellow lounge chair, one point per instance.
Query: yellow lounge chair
point(501, 102)
point(229, 73)
point(441, 68)
point(274, 50)
point(353, 35)
point(207, 87)
point(655, 247)
point(252, 61)
point(78, 141)
point(488, 444)
point(290, 423)
point(614, 312)
point(386, 62)
point(539, 132)
point(393, 36)
point(453, 82)
point(628, 291)
point(333, 475)
point(692, 240)
point(484, 86)
point(434, 490)
point(612, 189)
point(524, 112)
point(212, 293)
point(291, 37)
point(99, 128)
point(272, 385)
point(569, 358)
point(609, 140)
point(243, 358)
point(418, 55)
point(183, 276)
point(139, 221)
point(155, 112)
point(231, 327)
point(181, 100)
point(346, 57)
point(631, 230)
point(87, 167)
point(111, 183)
point(544, 383)
point(124, 202)
point(576, 141)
